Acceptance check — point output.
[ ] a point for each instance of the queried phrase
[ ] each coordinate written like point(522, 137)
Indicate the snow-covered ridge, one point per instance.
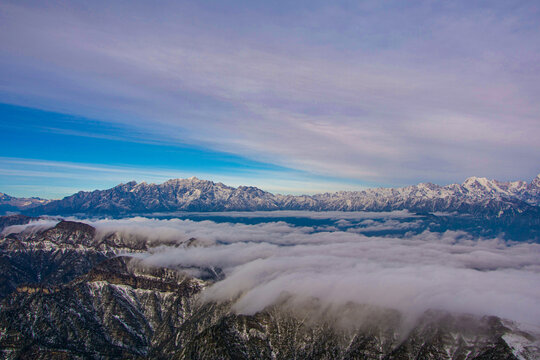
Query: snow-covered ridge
point(11, 203)
point(475, 195)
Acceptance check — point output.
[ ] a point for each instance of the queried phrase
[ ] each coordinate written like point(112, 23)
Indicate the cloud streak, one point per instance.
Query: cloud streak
point(430, 98)
point(32, 227)
point(56, 179)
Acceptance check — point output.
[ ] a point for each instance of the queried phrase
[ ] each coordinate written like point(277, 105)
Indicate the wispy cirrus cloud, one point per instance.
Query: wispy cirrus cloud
point(56, 179)
point(390, 94)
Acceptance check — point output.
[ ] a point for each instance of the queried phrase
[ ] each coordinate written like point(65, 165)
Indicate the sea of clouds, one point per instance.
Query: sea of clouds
point(451, 271)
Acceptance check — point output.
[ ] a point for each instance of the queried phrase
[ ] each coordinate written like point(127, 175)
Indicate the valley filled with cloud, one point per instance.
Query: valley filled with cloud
point(266, 262)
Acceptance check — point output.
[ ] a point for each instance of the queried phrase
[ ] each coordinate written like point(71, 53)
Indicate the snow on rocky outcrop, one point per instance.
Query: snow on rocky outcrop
point(476, 195)
point(10, 203)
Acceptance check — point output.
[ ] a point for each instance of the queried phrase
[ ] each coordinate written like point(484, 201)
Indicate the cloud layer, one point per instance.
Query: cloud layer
point(263, 262)
point(452, 270)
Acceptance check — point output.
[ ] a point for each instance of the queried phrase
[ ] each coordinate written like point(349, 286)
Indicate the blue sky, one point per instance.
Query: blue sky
point(53, 154)
point(293, 97)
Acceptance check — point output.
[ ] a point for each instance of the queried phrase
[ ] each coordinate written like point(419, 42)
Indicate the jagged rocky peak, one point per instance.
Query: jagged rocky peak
point(481, 186)
point(476, 181)
point(477, 195)
point(129, 185)
point(72, 228)
point(536, 181)
point(428, 185)
point(71, 233)
point(191, 180)
point(485, 182)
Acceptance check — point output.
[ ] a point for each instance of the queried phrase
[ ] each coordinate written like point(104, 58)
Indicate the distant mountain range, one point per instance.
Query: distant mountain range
point(477, 196)
point(10, 203)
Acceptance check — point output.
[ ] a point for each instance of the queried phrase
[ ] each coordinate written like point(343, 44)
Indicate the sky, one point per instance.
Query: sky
point(293, 97)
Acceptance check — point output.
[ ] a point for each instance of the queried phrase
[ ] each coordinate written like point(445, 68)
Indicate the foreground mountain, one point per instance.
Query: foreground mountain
point(14, 204)
point(477, 196)
point(54, 256)
point(117, 307)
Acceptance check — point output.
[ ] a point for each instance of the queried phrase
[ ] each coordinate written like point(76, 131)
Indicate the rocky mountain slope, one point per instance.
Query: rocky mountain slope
point(14, 204)
point(54, 256)
point(477, 196)
point(98, 305)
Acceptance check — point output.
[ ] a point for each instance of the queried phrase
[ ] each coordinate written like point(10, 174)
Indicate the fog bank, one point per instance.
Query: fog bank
point(451, 271)
point(263, 262)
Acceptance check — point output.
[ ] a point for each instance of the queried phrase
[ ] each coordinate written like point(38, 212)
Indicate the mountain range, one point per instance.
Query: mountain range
point(14, 204)
point(477, 196)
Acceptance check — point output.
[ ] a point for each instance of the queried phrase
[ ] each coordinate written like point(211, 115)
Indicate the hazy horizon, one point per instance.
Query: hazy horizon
point(39, 189)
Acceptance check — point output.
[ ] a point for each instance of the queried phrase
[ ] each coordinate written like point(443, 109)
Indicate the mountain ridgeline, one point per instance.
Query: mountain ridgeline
point(13, 204)
point(476, 196)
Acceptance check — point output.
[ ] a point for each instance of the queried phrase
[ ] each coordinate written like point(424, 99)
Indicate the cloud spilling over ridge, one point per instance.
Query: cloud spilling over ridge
point(451, 271)
point(32, 227)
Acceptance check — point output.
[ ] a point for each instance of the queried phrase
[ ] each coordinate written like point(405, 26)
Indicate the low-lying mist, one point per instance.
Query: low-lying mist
point(262, 263)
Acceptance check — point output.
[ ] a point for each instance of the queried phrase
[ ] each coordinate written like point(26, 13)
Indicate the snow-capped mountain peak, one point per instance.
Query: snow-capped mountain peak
point(477, 195)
